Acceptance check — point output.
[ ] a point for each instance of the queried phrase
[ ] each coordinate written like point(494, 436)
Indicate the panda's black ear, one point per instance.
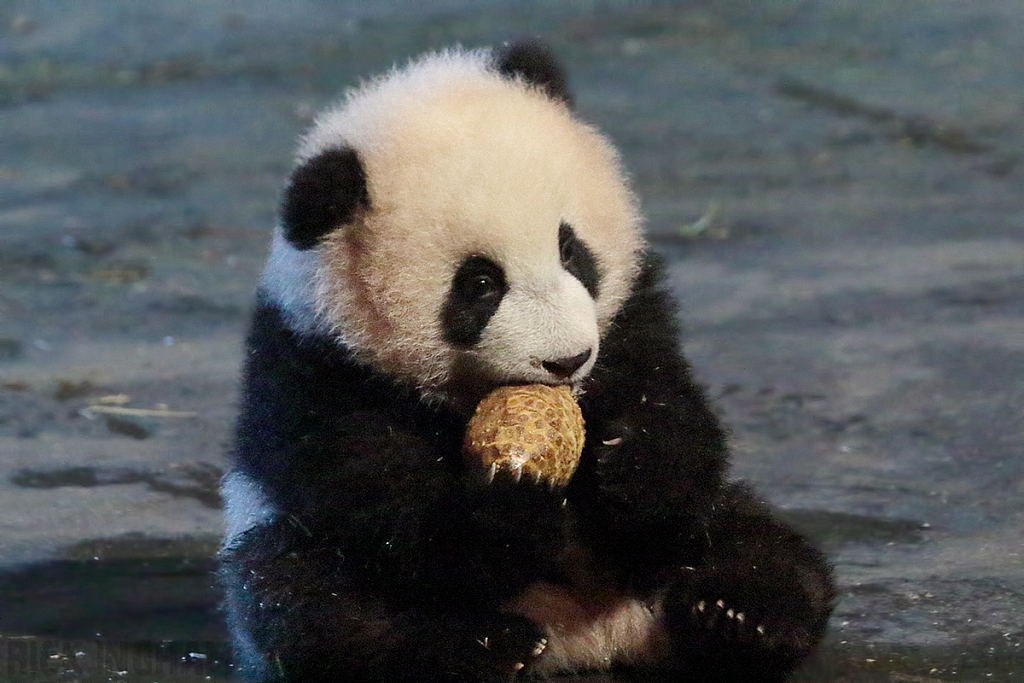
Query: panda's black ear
point(535, 63)
point(325, 192)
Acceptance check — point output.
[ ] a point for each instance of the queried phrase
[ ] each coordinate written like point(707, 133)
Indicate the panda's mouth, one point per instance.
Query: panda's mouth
point(471, 378)
point(552, 383)
point(575, 384)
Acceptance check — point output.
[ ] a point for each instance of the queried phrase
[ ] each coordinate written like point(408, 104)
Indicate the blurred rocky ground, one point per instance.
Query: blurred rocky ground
point(837, 186)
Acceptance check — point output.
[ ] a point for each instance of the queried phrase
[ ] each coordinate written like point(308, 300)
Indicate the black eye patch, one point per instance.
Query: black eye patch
point(477, 289)
point(578, 259)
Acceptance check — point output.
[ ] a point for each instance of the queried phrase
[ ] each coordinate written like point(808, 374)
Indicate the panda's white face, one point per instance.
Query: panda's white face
point(490, 236)
point(525, 322)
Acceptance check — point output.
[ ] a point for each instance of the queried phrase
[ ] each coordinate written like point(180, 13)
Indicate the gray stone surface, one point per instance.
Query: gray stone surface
point(838, 187)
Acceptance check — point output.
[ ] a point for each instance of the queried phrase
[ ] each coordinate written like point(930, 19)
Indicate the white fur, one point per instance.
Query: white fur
point(461, 160)
point(245, 506)
point(287, 279)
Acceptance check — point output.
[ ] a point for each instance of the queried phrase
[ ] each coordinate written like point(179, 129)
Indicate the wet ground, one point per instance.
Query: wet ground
point(838, 187)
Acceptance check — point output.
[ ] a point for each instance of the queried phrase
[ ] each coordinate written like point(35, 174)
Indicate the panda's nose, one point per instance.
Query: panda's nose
point(564, 367)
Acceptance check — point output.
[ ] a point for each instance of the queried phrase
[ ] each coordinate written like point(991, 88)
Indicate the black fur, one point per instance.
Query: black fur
point(477, 290)
point(578, 260)
point(325, 192)
point(535, 63)
point(389, 558)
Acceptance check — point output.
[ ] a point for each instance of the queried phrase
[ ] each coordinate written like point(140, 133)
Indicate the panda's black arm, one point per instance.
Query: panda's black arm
point(305, 611)
point(654, 505)
point(655, 455)
point(655, 460)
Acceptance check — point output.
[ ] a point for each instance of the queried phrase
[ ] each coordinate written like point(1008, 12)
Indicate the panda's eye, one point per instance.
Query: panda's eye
point(478, 279)
point(483, 286)
point(476, 292)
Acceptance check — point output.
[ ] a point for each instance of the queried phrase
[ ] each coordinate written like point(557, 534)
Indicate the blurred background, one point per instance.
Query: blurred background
point(836, 185)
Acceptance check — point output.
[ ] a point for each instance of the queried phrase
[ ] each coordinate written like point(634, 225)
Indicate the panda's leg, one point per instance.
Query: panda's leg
point(297, 614)
point(758, 601)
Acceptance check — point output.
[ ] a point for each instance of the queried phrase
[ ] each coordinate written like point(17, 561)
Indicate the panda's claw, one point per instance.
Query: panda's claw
point(501, 645)
point(493, 471)
point(720, 615)
point(519, 474)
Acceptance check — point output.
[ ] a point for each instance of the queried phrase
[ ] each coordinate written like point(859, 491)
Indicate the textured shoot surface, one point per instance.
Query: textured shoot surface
point(534, 430)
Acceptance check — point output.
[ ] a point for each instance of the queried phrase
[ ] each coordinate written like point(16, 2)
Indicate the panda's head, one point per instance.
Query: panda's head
point(454, 225)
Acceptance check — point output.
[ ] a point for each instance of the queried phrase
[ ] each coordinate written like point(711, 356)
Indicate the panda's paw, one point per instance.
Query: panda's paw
point(512, 471)
point(747, 629)
point(503, 647)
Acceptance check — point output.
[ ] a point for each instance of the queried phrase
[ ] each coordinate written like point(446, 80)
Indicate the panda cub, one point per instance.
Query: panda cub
point(450, 228)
